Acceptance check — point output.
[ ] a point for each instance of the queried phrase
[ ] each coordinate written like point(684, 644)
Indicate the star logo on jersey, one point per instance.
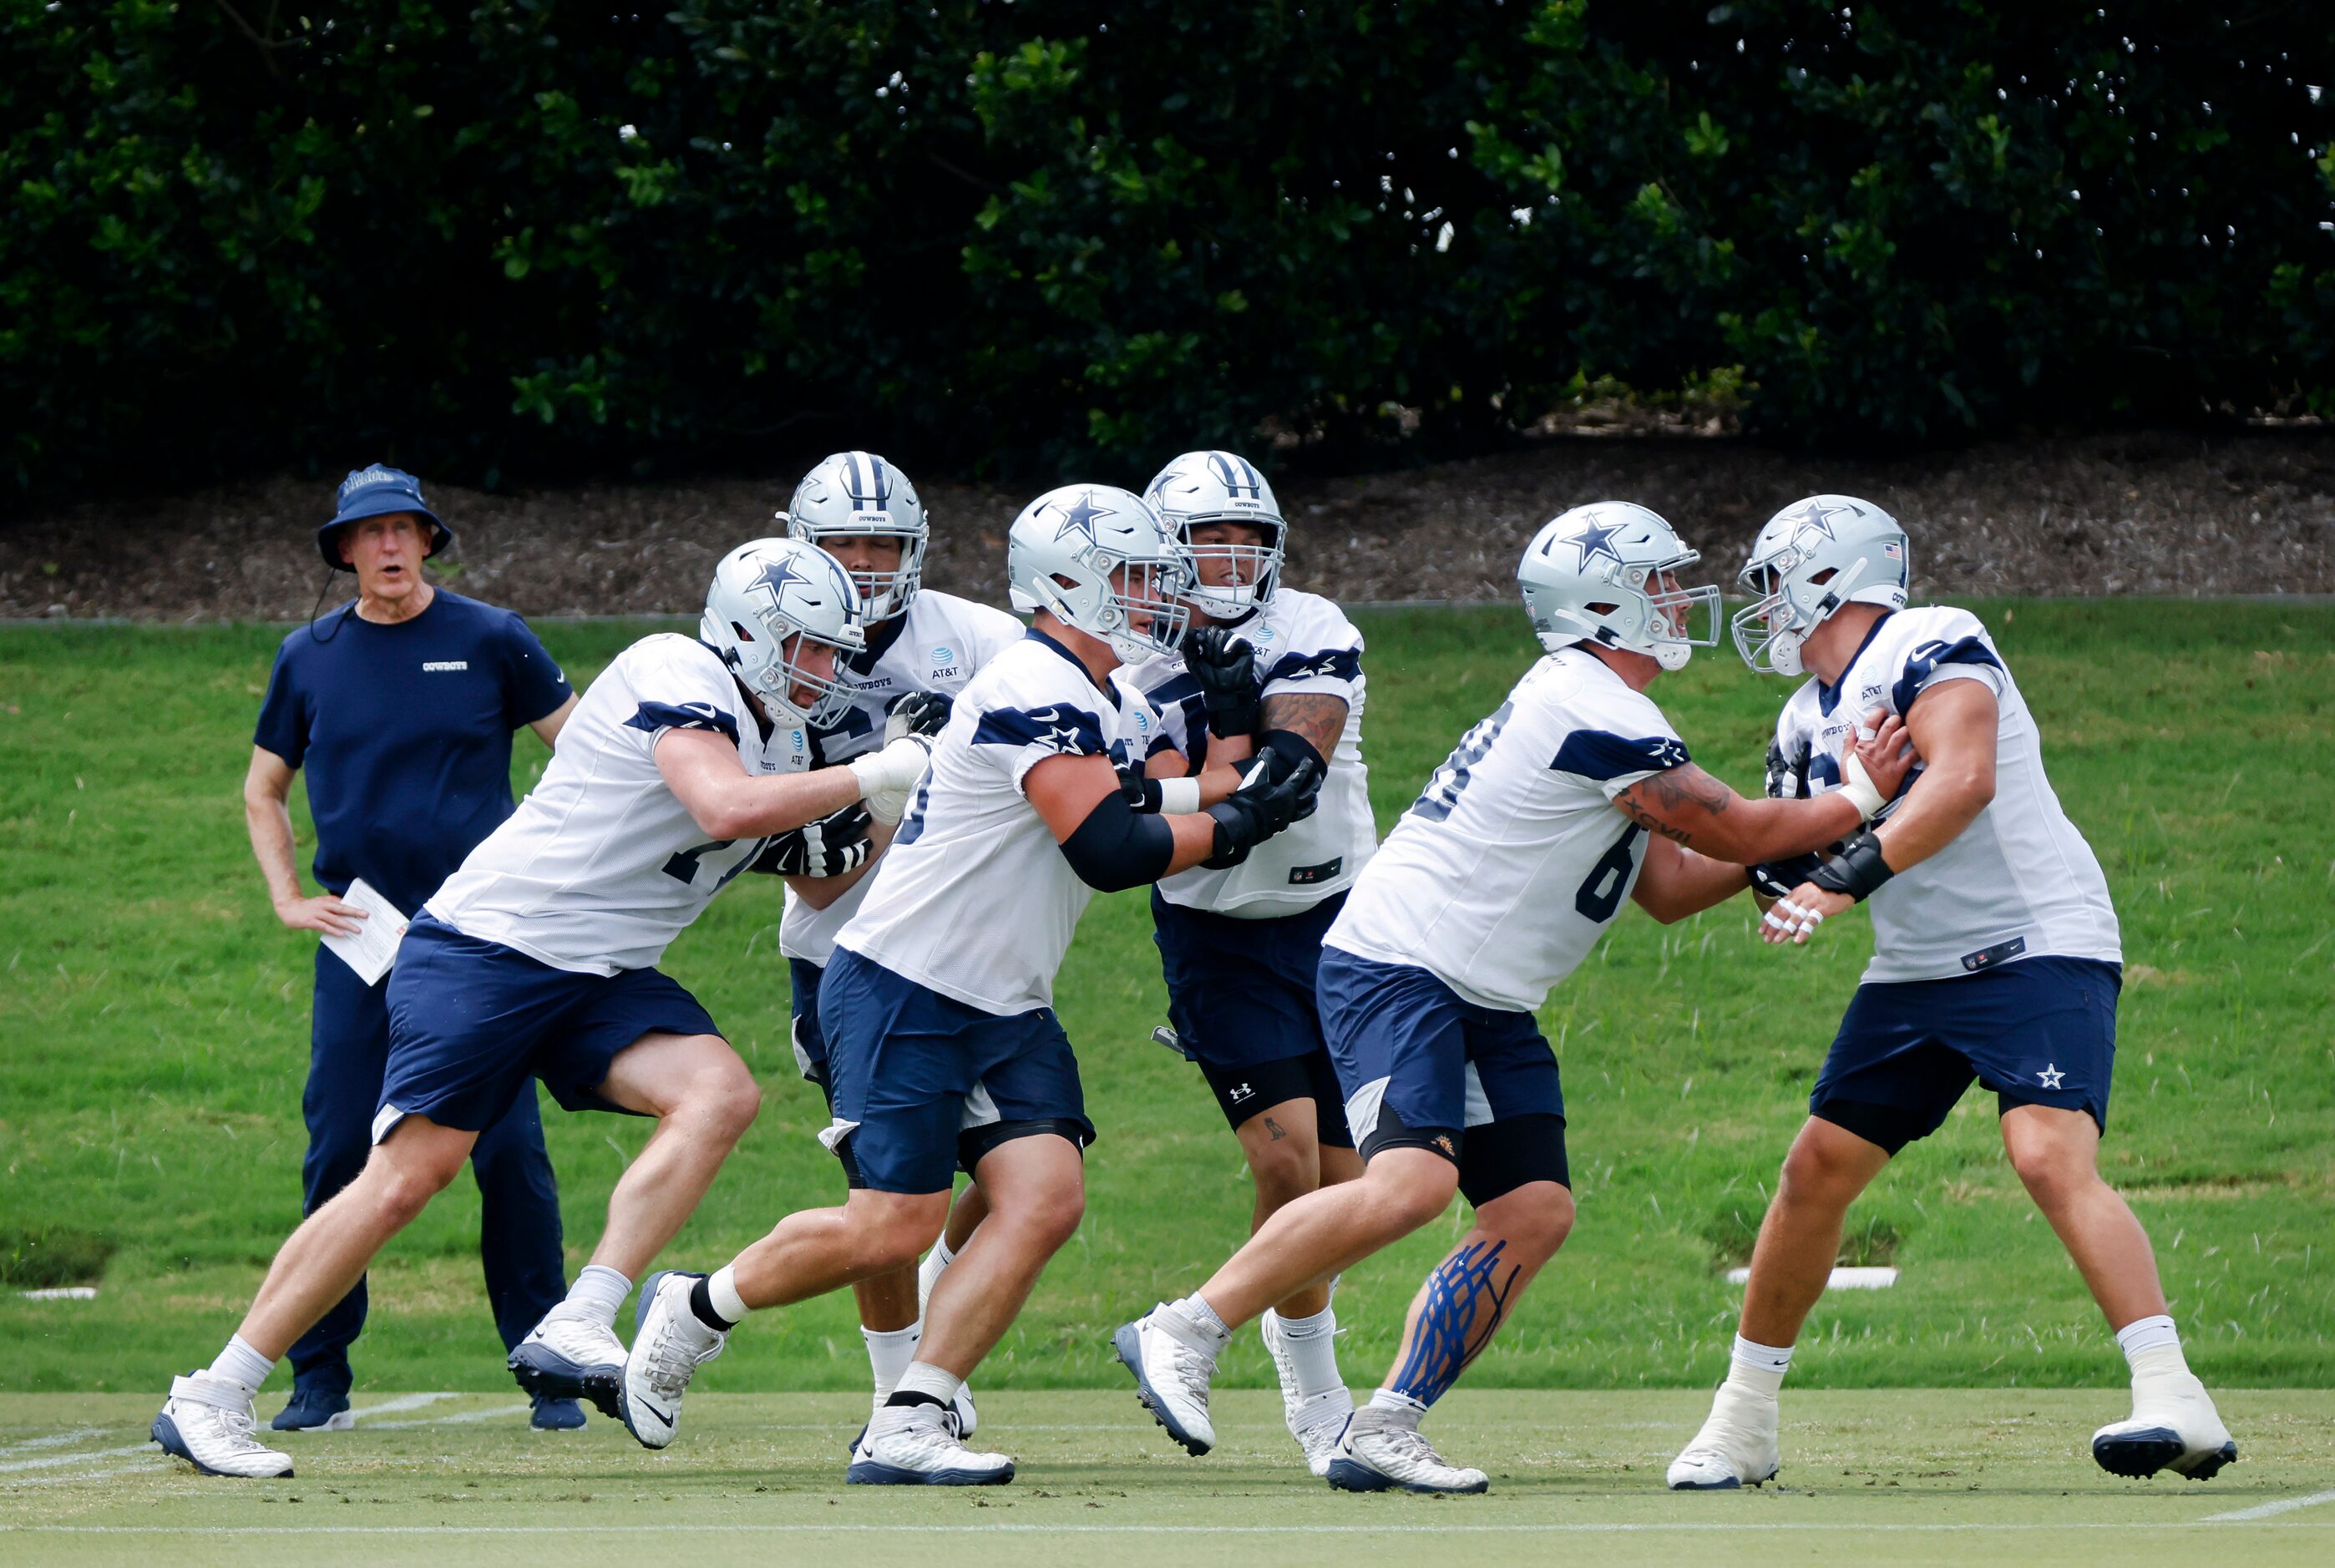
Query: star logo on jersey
point(1057, 736)
point(1818, 516)
point(1668, 754)
point(2051, 1077)
point(1597, 539)
point(1081, 516)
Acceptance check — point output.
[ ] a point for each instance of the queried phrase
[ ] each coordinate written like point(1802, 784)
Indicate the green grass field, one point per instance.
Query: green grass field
point(153, 1029)
point(1869, 1476)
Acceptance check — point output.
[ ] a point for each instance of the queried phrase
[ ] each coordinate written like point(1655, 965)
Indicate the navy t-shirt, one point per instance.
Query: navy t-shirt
point(405, 731)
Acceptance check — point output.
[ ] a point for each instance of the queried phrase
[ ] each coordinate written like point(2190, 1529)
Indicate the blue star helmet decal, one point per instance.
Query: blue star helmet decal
point(1817, 515)
point(1081, 518)
point(1597, 539)
point(776, 575)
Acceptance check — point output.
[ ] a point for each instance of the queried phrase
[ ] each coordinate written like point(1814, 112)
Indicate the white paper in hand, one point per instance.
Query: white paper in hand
point(374, 948)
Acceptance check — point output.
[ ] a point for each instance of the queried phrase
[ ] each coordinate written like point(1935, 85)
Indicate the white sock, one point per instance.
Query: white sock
point(1195, 1322)
point(596, 1295)
point(2152, 1345)
point(722, 1289)
point(1312, 1351)
point(1401, 1407)
point(1759, 1367)
point(929, 1271)
point(923, 1378)
point(241, 1365)
point(889, 1352)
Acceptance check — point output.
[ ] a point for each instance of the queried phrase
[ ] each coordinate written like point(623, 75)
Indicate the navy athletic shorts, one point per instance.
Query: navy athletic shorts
point(1241, 999)
point(1424, 1068)
point(471, 1021)
point(2037, 1031)
point(924, 1085)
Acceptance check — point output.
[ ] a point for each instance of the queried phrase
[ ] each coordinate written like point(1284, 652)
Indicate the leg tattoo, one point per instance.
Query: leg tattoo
point(1466, 1286)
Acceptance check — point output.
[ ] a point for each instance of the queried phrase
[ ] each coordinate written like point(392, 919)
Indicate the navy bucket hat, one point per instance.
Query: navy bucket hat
point(370, 492)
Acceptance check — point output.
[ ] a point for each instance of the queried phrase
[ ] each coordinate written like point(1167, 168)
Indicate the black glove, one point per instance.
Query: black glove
point(916, 714)
point(827, 847)
point(1140, 793)
point(1858, 870)
point(1775, 878)
point(1787, 777)
point(1226, 668)
point(1263, 807)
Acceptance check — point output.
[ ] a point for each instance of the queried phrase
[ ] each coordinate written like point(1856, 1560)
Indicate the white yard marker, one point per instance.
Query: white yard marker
point(1840, 1279)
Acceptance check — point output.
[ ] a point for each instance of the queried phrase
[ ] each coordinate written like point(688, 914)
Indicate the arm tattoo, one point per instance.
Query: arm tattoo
point(1316, 715)
point(1674, 791)
point(1464, 1289)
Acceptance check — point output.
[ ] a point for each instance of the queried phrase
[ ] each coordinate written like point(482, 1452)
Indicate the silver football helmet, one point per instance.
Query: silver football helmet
point(858, 495)
point(1067, 545)
point(1814, 557)
point(770, 602)
point(1202, 487)
point(1606, 572)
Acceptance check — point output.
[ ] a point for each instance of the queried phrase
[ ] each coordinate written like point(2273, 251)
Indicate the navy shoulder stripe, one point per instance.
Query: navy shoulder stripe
point(1600, 755)
point(1926, 658)
point(654, 716)
point(1059, 726)
point(1335, 663)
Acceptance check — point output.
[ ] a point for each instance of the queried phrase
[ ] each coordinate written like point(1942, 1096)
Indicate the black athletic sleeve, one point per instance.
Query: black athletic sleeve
point(1117, 847)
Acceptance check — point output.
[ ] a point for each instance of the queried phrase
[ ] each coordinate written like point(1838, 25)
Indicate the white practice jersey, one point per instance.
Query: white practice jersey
point(937, 645)
point(2019, 882)
point(1513, 861)
point(1303, 642)
point(602, 866)
point(975, 900)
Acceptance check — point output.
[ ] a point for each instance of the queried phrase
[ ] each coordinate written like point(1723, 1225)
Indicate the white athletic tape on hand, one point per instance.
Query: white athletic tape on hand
point(1857, 785)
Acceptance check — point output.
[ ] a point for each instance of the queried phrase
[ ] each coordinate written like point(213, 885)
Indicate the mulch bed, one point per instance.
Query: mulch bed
point(2147, 513)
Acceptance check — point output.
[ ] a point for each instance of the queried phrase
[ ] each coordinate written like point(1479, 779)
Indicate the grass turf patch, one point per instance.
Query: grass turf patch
point(1927, 1475)
point(153, 1041)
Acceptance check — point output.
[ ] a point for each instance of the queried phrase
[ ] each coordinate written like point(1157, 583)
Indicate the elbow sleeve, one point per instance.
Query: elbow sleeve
point(1117, 847)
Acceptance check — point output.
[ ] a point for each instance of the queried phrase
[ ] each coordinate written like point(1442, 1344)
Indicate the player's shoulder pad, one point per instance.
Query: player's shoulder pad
point(1923, 640)
point(679, 683)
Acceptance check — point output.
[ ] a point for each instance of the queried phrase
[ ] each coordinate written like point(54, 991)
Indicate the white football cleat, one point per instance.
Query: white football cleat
point(572, 1359)
point(1380, 1455)
point(669, 1344)
point(1171, 1380)
point(1316, 1421)
point(962, 1416)
point(1736, 1448)
point(207, 1422)
point(917, 1446)
point(2174, 1427)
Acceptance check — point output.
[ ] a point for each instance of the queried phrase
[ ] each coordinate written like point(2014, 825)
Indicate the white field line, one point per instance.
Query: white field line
point(402, 1402)
point(152, 1464)
point(55, 1439)
point(52, 1461)
point(1963, 1527)
point(455, 1420)
point(2270, 1510)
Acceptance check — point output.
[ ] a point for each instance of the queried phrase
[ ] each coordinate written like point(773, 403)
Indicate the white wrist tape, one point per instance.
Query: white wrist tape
point(1179, 796)
point(894, 768)
point(1857, 785)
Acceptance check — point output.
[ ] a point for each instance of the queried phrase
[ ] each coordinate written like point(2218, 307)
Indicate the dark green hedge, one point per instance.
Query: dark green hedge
point(528, 237)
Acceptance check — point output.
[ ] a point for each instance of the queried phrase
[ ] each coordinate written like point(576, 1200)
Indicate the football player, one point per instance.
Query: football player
point(536, 959)
point(1573, 796)
point(943, 1047)
point(1996, 956)
point(923, 646)
point(1269, 669)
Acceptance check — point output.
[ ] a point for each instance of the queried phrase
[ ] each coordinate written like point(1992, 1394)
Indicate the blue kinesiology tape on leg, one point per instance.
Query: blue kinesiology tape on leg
point(1462, 1288)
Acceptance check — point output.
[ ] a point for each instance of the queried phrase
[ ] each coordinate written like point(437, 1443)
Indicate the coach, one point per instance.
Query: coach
point(400, 705)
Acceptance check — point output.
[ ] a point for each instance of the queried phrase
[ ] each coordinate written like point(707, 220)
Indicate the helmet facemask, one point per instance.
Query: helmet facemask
point(1669, 610)
point(882, 595)
point(1252, 571)
point(830, 698)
